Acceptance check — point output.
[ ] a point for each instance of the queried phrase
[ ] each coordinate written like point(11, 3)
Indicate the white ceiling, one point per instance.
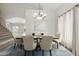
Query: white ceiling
point(51, 6)
point(46, 5)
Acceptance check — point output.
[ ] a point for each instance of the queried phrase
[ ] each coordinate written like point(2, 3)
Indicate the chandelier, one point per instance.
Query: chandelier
point(40, 14)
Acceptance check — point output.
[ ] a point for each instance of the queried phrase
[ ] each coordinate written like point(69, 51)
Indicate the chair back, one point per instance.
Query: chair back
point(46, 42)
point(28, 42)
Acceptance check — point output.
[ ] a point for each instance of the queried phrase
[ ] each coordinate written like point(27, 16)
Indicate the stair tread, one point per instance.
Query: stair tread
point(6, 38)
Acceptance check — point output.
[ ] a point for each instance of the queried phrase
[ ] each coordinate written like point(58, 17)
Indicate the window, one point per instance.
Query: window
point(65, 27)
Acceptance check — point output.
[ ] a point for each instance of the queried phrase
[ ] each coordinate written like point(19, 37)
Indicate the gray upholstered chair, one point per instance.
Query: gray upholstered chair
point(46, 44)
point(29, 44)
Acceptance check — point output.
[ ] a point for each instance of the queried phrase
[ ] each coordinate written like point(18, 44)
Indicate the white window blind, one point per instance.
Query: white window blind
point(65, 27)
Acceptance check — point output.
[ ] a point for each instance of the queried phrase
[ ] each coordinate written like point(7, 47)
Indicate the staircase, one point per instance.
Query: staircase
point(6, 40)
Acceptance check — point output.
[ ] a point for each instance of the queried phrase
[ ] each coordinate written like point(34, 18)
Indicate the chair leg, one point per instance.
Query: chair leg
point(42, 52)
point(15, 45)
point(57, 45)
point(25, 52)
point(50, 52)
point(22, 46)
point(32, 53)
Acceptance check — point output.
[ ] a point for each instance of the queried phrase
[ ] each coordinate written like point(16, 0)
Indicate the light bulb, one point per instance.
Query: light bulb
point(35, 13)
point(45, 14)
point(39, 17)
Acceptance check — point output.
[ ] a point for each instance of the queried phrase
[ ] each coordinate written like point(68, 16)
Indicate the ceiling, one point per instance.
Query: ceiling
point(54, 7)
point(51, 6)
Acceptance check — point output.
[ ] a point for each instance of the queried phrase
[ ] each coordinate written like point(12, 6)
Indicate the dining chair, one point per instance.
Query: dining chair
point(29, 44)
point(46, 44)
point(18, 42)
point(56, 38)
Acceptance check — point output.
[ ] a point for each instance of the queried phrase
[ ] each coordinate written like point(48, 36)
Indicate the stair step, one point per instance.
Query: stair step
point(6, 38)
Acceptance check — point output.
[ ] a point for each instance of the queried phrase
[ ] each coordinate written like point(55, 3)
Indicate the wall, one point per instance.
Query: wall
point(48, 26)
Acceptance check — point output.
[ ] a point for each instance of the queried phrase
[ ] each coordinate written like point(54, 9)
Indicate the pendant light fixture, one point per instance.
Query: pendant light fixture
point(40, 14)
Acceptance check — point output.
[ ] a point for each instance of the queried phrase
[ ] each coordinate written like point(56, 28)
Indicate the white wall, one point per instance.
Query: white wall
point(48, 26)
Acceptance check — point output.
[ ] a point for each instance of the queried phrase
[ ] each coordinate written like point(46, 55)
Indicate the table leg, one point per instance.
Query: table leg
point(57, 44)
